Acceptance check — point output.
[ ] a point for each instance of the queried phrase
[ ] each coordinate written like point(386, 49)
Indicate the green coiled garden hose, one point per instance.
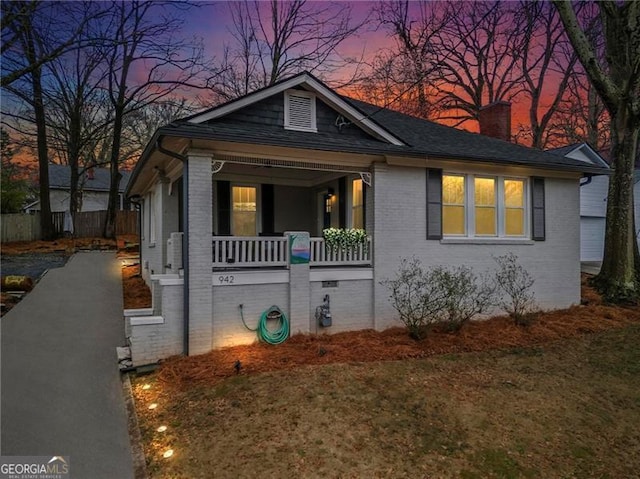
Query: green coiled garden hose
point(277, 336)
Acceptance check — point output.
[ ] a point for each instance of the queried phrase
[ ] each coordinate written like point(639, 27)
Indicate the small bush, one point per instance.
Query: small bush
point(465, 295)
point(415, 297)
point(515, 283)
point(446, 296)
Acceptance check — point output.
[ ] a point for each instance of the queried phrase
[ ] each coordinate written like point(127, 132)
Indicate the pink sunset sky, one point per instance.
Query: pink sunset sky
point(212, 22)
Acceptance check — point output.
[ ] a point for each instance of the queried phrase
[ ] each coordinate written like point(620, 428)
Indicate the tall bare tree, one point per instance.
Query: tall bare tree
point(272, 40)
point(27, 30)
point(147, 63)
point(617, 81)
point(478, 55)
point(547, 64)
point(581, 116)
point(404, 76)
point(14, 15)
point(76, 111)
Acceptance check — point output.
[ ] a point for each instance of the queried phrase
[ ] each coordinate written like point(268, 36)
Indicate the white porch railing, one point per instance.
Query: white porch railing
point(322, 255)
point(273, 251)
point(249, 251)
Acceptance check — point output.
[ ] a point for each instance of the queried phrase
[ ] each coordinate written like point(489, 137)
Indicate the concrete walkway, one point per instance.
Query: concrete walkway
point(61, 390)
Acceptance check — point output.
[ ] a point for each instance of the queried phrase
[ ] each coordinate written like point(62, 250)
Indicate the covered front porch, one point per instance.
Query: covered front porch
point(254, 201)
point(218, 238)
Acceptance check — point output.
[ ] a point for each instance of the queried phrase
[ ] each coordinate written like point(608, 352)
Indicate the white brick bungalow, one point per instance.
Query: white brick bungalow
point(221, 192)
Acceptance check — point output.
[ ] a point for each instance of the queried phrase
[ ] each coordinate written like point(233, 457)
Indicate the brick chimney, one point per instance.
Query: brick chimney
point(90, 173)
point(495, 120)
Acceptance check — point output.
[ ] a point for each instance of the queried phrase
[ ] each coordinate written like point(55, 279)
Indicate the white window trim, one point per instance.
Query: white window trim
point(312, 96)
point(471, 214)
point(465, 205)
point(469, 207)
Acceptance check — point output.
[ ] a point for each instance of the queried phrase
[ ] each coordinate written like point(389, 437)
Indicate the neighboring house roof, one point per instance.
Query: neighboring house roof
point(60, 178)
point(391, 133)
point(582, 152)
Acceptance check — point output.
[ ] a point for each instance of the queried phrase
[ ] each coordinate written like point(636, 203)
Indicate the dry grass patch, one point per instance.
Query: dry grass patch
point(564, 409)
point(559, 398)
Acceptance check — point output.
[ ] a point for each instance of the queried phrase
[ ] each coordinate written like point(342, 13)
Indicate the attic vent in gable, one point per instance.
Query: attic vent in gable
point(300, 110)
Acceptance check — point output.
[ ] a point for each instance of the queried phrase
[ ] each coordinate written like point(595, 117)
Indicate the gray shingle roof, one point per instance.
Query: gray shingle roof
point(424, 139)
point(433, 139)
point(60, 178)
point(564, 150)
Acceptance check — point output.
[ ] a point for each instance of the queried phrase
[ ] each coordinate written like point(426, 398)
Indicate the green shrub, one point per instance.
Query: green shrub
point(345, 239)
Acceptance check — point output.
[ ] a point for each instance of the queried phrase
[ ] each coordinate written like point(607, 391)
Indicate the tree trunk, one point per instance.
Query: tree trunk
point(46, 225)
point(620, 274)
point(110, 223)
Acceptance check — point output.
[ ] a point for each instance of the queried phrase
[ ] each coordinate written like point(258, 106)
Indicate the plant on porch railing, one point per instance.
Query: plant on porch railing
point(345, 239)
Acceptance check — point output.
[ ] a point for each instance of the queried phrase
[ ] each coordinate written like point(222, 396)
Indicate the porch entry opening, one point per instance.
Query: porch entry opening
point(244, 211)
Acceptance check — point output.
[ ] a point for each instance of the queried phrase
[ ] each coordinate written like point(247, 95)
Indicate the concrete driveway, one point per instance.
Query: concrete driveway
point(61, 391)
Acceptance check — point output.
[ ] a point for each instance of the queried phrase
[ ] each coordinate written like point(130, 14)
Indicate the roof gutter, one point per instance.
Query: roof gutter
point(588, 179)
point(185, 239)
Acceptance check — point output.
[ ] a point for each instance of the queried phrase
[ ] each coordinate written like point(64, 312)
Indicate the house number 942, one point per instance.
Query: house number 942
point(226, 279)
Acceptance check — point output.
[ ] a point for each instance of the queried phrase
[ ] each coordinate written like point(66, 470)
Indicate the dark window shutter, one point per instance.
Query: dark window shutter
point(434, 204)
point(267, 209)
point(342, 202)
point(223, 195)
point(537, 209)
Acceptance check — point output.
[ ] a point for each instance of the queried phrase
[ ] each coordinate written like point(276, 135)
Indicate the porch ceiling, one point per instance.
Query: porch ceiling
point(276, 174)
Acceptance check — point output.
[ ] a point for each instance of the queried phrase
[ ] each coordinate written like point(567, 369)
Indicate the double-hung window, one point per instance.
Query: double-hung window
point(484, 206)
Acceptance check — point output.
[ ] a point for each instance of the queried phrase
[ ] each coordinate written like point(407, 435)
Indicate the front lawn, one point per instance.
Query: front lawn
point(568, 408)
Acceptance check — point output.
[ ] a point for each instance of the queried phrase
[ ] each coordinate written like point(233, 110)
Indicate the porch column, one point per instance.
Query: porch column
point(299, 285)
point(199, 228)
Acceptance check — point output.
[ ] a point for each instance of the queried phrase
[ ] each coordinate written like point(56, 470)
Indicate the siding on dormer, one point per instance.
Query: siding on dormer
point(269, 113)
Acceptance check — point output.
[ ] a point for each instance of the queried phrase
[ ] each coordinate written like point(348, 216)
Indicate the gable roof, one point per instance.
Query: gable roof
point(581, 152)
point(310, 83)
point(60, 179)
point(390, 133)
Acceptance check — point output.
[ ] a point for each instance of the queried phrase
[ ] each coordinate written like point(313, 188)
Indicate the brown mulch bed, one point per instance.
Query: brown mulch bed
point(395, 344)
point(69, 245)
point(135, 292)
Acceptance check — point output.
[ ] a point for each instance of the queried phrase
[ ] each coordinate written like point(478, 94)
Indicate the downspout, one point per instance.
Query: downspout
point(589, 179)
point(185, 239)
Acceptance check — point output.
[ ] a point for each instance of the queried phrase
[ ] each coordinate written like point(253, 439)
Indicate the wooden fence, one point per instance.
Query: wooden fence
point(26, 227)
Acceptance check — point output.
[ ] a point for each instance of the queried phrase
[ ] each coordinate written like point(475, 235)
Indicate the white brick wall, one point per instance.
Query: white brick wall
point(400, 232)
point(228, 329)
point(153, 342)
point(351, 304)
